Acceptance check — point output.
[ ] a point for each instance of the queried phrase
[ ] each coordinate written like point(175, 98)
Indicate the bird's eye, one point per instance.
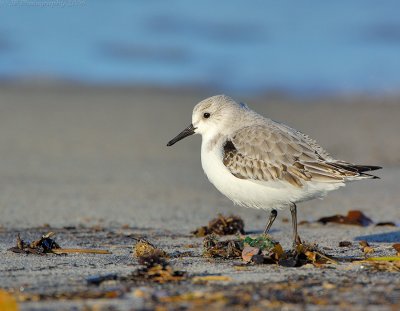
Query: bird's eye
point(206, 115)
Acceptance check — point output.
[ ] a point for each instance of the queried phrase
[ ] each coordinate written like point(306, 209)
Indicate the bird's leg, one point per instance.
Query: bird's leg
point(271, 220)
point(296, 238)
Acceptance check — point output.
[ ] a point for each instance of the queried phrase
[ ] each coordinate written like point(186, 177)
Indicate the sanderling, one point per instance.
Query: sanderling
point(259, 163)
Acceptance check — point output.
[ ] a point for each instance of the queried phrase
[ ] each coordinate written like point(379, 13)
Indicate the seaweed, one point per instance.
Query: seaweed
point(221, 226)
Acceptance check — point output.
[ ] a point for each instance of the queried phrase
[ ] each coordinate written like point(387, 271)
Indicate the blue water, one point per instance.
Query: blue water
point(229, 46)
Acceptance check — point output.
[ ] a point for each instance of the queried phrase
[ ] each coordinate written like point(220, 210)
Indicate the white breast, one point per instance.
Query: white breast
point(251, 193)
point(242, 192)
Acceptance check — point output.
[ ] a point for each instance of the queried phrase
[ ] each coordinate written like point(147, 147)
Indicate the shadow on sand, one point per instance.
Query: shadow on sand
point(388, 237)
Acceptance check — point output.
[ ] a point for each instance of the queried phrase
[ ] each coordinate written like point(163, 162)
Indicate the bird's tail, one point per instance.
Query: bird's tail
point(358, 170)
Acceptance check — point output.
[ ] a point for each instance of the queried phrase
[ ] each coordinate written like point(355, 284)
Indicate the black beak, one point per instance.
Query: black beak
point(186, 132)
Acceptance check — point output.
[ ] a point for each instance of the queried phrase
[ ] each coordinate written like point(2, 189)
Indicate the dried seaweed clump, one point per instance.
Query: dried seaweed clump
point(158, 271)
point(355, 217)
point(156, 268)
point(221, 226)
point(41, 246)
point(263, 250)
point(144, 248)
point(46, 245)
point(213, 247)
point(305, 254)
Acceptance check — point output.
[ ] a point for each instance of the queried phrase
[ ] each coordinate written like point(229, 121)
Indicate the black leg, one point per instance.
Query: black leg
point(271, 220)
point(296, 238)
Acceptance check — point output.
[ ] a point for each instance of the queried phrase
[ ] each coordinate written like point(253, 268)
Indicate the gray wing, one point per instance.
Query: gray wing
point(276, 152)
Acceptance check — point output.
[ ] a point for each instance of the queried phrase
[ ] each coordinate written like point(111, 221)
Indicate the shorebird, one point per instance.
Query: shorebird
point(260, 163)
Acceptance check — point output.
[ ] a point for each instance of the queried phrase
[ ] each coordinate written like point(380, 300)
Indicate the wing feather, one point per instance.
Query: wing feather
point(276, 152)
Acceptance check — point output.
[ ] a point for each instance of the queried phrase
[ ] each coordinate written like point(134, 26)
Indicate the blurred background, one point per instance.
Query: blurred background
point(90, 92)
point(228, 46)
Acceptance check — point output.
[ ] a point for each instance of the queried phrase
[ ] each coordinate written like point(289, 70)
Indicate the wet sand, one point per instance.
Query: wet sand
point(83, 157)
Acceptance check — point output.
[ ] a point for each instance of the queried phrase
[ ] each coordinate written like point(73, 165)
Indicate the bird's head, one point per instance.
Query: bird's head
point(211, 116)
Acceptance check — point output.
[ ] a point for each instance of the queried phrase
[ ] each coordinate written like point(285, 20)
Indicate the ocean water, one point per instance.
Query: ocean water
point(228, 46)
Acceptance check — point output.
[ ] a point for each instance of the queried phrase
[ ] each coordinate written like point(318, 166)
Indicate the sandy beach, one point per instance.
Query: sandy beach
point(74, 156)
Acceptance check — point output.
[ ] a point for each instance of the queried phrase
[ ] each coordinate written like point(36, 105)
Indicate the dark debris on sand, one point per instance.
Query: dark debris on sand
point(156, 267)
point(354, 217)
point(221, 226)
point(264, 250)
point(214, 248)
point(144, 248)
point(45, 244)
point(155, 271)
point(157, 283)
